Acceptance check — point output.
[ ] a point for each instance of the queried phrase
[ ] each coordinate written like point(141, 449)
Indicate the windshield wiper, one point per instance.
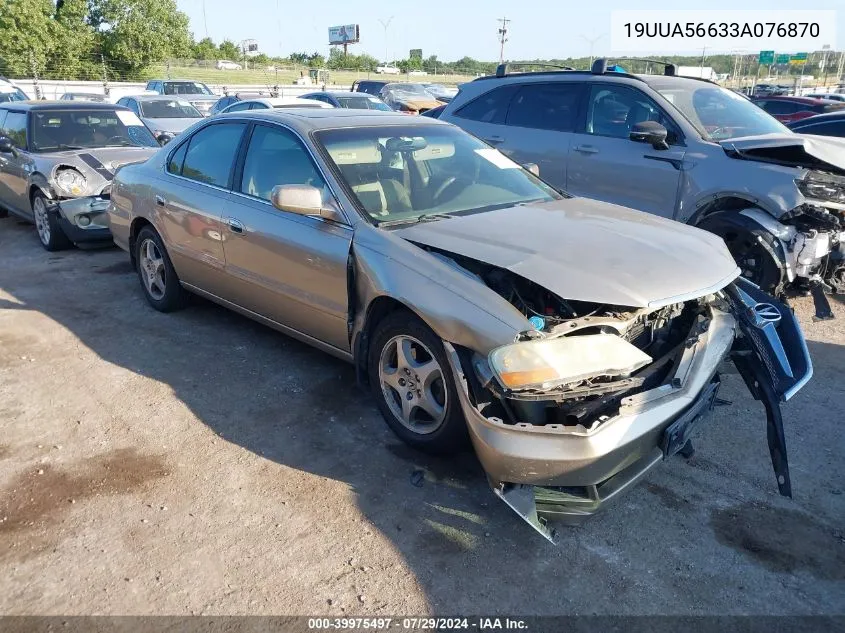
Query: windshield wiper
point(423, 217)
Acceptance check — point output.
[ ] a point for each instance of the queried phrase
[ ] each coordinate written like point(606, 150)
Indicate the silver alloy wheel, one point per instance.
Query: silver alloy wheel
point(413, 384)
point(151, 265)
point(42, 221)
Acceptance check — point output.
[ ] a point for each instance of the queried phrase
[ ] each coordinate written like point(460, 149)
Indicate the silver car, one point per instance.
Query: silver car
point(575, 343)
point(166, 117)
point(680, 148)
point(57, 161)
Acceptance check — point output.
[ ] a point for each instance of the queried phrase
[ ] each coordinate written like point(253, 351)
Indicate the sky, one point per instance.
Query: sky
point(450, 29)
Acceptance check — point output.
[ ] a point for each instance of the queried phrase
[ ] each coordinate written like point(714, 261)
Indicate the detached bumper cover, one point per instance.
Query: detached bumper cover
point(92, 208)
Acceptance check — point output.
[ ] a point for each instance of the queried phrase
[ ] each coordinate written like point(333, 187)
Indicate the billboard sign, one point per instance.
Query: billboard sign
point(415, 53)
point(345, 34)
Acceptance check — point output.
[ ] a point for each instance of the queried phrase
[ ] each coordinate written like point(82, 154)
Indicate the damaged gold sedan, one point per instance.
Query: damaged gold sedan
point(575, 343)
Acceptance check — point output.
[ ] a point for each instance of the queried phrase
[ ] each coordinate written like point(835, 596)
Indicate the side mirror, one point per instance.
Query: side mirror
point(650, 132)
point(534, 168)
point(164, 138)
point(6, 146)
point(302, 200)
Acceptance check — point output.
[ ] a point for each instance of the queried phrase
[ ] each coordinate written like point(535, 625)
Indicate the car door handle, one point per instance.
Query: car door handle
point(494, 140)
point(586, 149)
point(236, 226)
point(160, 201)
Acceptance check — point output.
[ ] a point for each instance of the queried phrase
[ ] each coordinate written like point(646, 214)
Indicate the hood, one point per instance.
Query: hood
point(797, 150)
point(420, 103)
point(586, 250)
point(99, 165)
point(175, 126)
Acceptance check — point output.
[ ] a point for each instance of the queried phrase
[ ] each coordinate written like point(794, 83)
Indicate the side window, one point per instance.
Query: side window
point(258, 106)
point(546, 106)
point(211, 153)
point(780, 107)
point(15, 128)
point(275, 156)
point(151, 85)
point(240, 107)
point(122, 101)
point(2, 119)
point(491, 107)
point(614, 110)
point(174, 165)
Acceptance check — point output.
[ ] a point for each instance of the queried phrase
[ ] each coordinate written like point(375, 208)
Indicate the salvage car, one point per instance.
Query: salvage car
point(408, 98)
point(832, 124)
point(57, 161)
point(197, 93)
point(789, 109)
point(274, 103)
point(576, 343)
point(351, 100)
point(165, 117)
point(682, 148)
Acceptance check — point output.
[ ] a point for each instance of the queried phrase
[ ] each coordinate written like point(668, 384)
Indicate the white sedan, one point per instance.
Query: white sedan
point(274, 103)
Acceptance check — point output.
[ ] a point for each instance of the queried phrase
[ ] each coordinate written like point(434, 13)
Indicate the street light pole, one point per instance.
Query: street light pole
point(503, 31)
point(385, 24)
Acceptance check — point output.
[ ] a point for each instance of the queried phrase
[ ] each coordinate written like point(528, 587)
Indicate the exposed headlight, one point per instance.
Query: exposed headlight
point(549, 362)
point(70, 182)
point(820, 186)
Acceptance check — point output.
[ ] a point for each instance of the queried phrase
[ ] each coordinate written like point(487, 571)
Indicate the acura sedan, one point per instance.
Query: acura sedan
point(575, 343)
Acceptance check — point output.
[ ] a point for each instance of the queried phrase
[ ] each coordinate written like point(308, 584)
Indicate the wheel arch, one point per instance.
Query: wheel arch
point(138, 223)
point(732, 202)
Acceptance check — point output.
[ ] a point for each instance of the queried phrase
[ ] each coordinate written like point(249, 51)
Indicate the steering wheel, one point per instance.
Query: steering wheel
point(443, 186)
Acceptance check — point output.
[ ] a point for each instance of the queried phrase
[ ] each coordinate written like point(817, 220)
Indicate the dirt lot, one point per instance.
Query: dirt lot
point(201, 463)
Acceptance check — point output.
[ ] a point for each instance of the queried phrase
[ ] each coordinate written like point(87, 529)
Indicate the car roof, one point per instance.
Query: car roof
point(274, 101)
point(342, 93)
point(308, 119)
point(155, 97)
point(836, 115)
point(59, 105)
point(805, 100)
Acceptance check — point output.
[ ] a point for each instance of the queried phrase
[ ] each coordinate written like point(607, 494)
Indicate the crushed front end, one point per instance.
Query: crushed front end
point(579, 408)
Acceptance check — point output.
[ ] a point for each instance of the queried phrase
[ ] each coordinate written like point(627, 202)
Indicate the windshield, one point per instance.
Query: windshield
point(77, 129)
point(718, 114)
point(169, 109)
point(416, 90)
point(363, 103)
point(186, 88)
point(12, 94)
point(404, 173)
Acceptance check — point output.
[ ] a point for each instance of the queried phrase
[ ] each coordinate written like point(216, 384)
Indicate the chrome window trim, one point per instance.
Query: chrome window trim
point(249, 121)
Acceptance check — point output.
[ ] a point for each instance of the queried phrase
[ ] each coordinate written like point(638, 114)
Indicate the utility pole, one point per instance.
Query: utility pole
point(503, 32)
point(385, 24)
point(701, 63)
point(106, 75)
point(205, 19)
point(33, 68)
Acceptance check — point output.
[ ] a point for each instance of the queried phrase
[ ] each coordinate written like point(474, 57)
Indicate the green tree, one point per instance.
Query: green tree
point(137, 33)
point(229, 50)
point(76, 44)
point(28, 33)
point(315, 60)
point(205, 49)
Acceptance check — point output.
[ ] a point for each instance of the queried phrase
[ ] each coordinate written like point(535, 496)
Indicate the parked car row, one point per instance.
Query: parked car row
point(575, 343)
point(681, 148)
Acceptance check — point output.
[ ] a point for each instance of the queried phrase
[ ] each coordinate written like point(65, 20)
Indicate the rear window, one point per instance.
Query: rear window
point(546, 106)
point(491, 107)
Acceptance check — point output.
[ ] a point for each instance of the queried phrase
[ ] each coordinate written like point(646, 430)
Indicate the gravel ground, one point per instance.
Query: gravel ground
point(201, 463)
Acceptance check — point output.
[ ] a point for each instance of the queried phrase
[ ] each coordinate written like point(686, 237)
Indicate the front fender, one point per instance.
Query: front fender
point(457, 307)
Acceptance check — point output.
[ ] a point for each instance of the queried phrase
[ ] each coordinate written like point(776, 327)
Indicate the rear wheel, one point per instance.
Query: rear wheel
point(413, 385)
point(158, 278)
point(754, 250)
point(50, 233)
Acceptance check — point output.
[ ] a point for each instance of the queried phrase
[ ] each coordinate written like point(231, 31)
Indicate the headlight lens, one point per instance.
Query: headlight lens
point(823, 187)
point(549, 362)
point(71, 182)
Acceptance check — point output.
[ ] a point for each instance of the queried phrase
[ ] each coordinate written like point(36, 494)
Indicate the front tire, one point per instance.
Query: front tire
point(156, 273)
point(413, 385)
point(50, 232)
